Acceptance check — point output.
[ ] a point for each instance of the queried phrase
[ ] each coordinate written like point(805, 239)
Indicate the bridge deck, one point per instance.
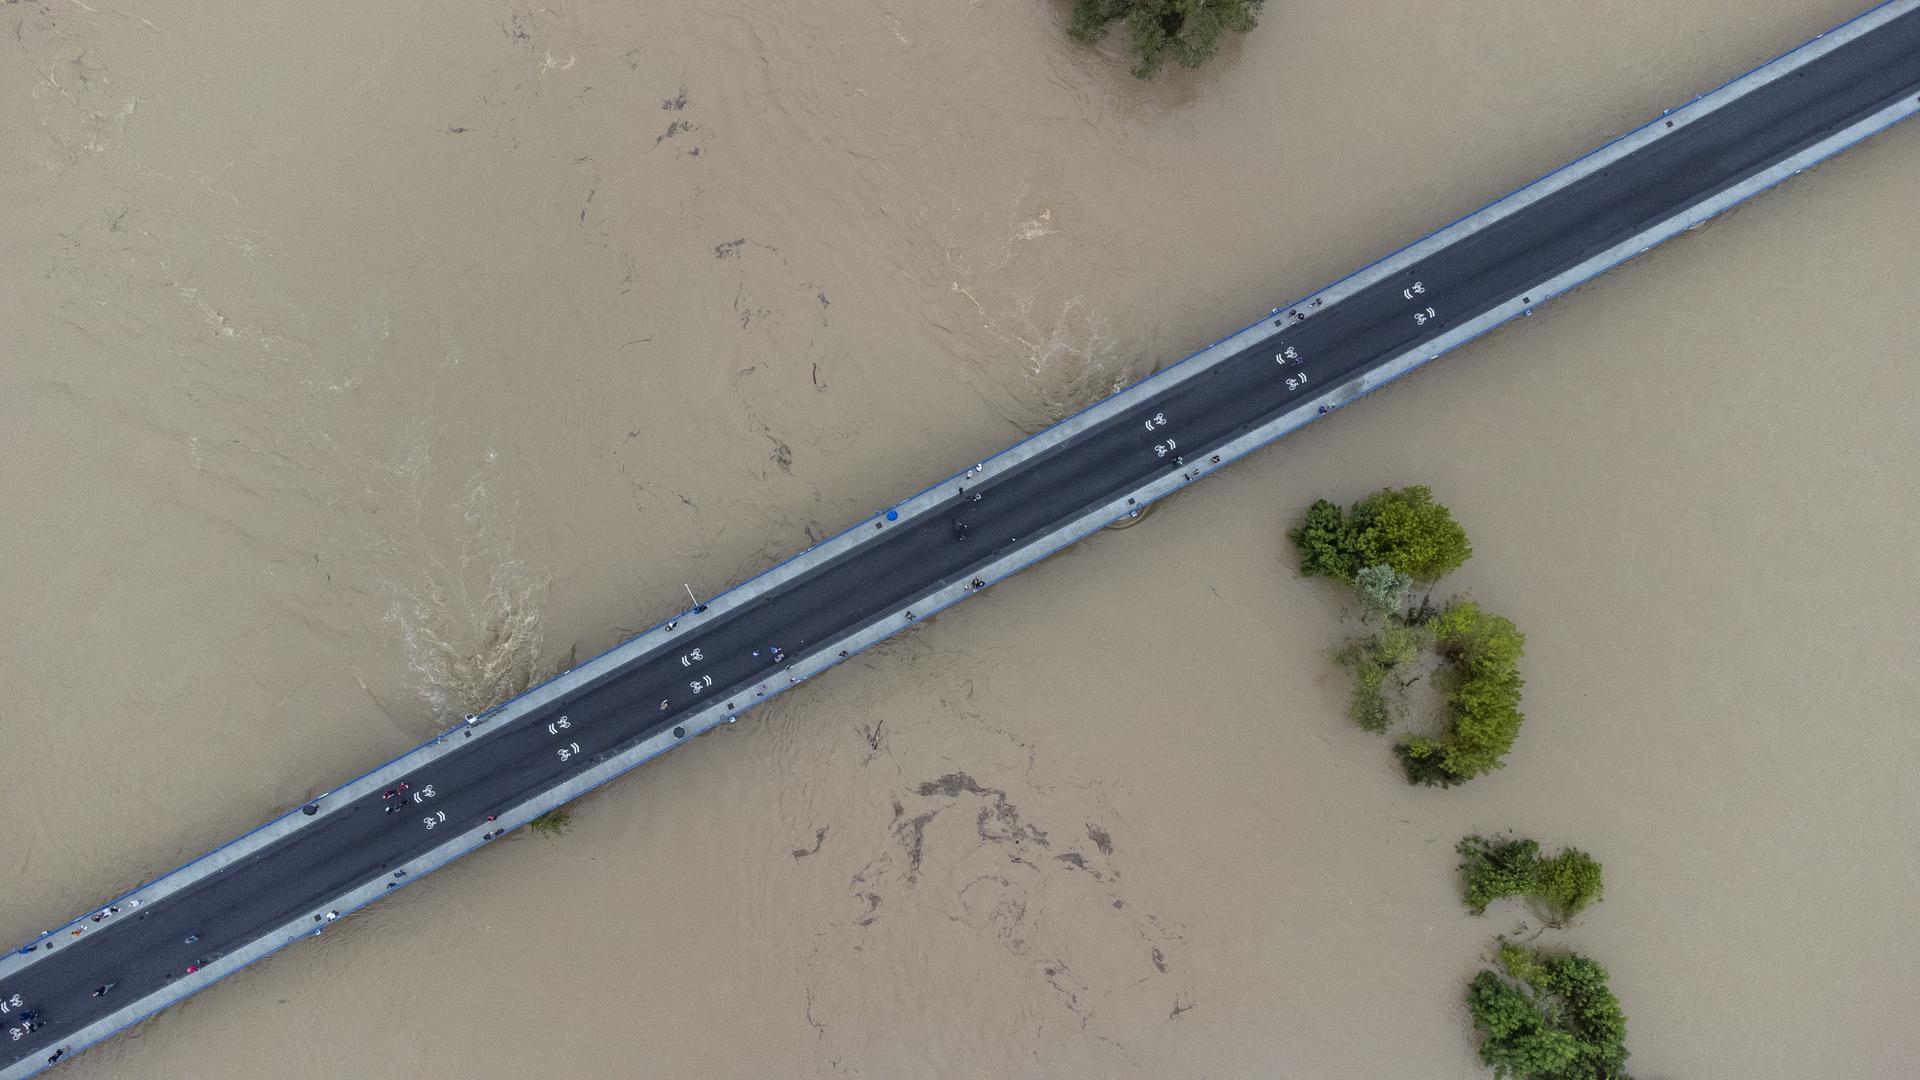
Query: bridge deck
point(214, 916)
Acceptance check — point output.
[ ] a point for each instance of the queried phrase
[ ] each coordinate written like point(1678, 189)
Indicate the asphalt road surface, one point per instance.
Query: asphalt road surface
point(141, 950)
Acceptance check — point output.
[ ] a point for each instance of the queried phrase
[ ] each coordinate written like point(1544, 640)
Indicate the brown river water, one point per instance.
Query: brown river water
point(361, 361)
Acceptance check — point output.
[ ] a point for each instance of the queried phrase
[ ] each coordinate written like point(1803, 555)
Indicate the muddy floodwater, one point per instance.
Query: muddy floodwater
point(362, 361)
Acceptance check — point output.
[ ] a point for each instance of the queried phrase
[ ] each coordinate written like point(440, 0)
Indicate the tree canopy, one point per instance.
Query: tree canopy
point(1382, 589)
point(1548, 1017)
point(1390, 541)
point(1325, 543)
point(1403, 530)
point(1187, 32)
point(1408, 531)
point(1483, 697)
point(1559, 886)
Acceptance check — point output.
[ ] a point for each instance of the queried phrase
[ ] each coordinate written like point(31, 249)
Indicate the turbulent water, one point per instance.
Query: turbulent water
point(364, 362)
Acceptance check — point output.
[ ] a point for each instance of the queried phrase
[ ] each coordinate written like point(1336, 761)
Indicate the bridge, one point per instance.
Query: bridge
point(296, 876)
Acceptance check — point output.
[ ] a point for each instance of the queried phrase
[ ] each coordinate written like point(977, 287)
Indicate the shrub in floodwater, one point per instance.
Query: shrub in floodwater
point(1374, 660)
point(1408, 531)
point(1482, 679)
point(1402, 529)
point(1325, 542)
point(1567, 883)
point(1187, 32)
point(1546, 1016)
point(1388, 542)
point(1382, 590)
point(1559, 887)
point(552, 823)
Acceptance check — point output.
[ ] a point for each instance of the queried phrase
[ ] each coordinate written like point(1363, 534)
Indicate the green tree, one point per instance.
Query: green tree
point(1386, 544)
point(1403, 530)
point(1548, 1016)
point(1325, 542)
point(1373, 661)
point(1407, 530)
point(1187, 32)
point(1483, 697)
point(1495, 869)
point(1399, 645)
point(1565, 884)
point(1520, 1040)
point(1559, 887)
point(1367, 703)
point(1382, 589)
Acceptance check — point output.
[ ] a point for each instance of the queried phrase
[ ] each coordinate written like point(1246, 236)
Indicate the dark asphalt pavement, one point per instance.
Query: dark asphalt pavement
point(140, 950)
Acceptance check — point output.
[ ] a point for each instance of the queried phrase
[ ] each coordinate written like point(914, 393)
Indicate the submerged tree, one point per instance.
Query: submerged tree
point(1390, 541)
point(1483, 684)
point(1565, 884)
point(1408, 531)
point(1325, 543)
point(1187, 32)
point(1559, 886)
point(1548, 1017)
point(1382, 590)
point(1403, 530)
point(1373, 661)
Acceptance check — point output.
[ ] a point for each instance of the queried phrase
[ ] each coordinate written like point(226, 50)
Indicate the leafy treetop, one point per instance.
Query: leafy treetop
point(1483, 697)
point(1403, 530)
point(1408, 531)
point(1187, 32)
point(1325, 543)
point(1383, 590)
point(1559, 886)
point(1551, 1017)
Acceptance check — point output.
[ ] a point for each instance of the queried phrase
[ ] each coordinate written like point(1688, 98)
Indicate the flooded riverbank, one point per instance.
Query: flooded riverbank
point(363, 365)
